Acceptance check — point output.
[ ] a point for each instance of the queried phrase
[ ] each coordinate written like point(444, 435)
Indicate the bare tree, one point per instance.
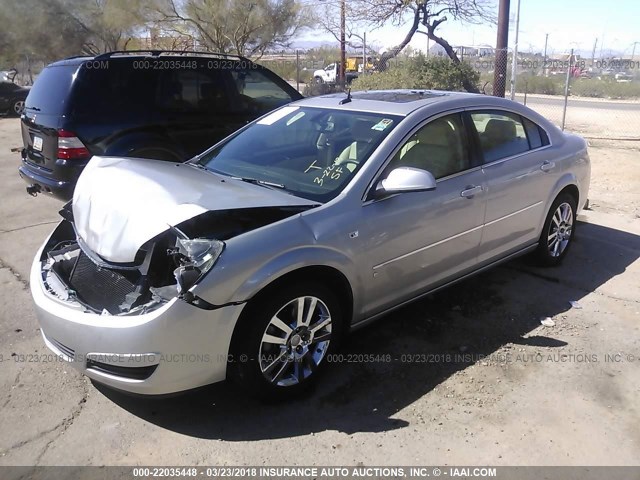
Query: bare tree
point(329, 19)
point(425, 17)
point(245, 27)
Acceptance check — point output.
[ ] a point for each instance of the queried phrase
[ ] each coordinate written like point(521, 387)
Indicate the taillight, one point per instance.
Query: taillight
point(70, 147)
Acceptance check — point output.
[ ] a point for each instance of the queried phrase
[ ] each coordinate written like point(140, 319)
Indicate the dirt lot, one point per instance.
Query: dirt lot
point(493, 385)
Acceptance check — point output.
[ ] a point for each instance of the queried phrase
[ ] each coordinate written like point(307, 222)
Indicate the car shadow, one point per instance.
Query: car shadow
point(453, 329)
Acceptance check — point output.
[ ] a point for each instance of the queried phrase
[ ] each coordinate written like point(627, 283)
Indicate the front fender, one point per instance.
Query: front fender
point(292, 260)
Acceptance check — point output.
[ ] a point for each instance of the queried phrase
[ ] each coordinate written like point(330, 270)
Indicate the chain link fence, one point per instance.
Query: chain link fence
point(597, 98)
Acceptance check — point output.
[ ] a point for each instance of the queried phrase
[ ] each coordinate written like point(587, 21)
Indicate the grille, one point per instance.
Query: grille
point(101, 288)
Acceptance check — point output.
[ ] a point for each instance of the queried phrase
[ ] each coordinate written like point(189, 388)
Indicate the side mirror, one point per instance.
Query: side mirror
point(404, 180)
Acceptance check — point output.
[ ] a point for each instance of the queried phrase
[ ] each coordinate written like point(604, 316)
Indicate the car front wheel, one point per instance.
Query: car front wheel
point(282, 340)
point(558, 231)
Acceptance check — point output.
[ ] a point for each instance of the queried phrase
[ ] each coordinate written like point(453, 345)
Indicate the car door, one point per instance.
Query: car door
point(5, 95)
point(519, 178)
point(414, 241)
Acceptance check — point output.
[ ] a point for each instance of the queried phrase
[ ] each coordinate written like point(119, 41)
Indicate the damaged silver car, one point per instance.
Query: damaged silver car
point(255, 258)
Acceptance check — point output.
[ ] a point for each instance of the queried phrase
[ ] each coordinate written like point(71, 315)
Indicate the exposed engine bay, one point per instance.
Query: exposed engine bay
point(165, 267)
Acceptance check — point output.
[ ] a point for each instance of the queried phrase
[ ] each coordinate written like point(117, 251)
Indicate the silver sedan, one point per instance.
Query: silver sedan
point(254, 259)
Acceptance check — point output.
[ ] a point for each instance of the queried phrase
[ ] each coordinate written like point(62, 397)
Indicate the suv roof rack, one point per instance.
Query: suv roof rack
point(157, 53)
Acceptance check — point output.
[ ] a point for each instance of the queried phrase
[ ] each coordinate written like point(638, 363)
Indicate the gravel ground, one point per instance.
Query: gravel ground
point(475, 378)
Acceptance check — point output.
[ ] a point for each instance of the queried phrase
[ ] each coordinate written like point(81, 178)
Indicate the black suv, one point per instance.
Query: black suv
point(162, 105)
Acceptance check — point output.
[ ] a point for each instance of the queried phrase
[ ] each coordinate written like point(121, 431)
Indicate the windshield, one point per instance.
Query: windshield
point(310, 152)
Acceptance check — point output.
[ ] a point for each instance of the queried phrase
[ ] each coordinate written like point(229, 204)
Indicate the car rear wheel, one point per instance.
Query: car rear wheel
point(282, 340)
point(18, 107)
point(558, 231)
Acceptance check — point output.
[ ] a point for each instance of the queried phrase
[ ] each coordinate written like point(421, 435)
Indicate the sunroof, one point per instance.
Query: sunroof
point(397, 97)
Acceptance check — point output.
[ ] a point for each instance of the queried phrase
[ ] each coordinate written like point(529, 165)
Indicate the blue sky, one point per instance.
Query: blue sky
point(570, 24)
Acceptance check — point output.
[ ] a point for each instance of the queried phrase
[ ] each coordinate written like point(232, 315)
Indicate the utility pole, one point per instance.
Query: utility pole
point(633, 52)
point(364, 53)
point(500, 69)
point(343, 55)
point(514, 61)
point(593, 54)
point(546, 41)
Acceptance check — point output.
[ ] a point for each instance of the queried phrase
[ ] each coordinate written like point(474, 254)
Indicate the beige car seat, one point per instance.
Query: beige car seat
point(363, 136)
point(433, 148)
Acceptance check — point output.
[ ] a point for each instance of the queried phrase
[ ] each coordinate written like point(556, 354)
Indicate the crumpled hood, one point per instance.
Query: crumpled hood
point(121, 203)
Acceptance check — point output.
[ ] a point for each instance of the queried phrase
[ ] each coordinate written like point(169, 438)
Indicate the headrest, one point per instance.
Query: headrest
point(437, 133)
point(501, 131)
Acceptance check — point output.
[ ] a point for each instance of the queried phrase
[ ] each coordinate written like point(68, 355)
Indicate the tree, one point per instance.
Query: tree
point(61, 28)
point(244, 27)
point(428, 14)
point(106, 25)
point(419, 72)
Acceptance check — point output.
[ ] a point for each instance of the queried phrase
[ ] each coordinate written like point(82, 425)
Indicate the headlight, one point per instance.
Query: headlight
point(201, 254)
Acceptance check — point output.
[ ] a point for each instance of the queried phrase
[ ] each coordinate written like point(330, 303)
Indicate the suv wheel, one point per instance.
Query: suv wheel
point(282, 340)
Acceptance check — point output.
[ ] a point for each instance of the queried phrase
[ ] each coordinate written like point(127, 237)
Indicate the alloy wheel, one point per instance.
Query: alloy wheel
point(560, 230)
point(295, 341)
point(18, 107)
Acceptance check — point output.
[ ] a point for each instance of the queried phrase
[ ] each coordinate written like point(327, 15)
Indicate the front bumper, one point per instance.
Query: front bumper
point(173, 348)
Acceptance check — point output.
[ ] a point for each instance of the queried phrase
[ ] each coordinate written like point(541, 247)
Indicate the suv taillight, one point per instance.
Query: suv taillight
point(70, 147)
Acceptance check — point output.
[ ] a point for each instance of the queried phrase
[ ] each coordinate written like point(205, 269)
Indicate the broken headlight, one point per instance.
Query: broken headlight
point(197, 256)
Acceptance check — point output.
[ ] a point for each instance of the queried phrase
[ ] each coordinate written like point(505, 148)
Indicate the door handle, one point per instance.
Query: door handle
point(471, 190)
point(547, 165)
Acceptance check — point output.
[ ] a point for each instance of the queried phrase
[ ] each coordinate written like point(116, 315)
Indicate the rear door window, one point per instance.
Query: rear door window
point(502, 134)
point(536, 135)
point(111, 87)
point(195, 91)
point(51, 91)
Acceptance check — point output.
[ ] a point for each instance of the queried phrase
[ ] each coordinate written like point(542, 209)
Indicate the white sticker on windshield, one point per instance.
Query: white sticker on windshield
point(277, 115)
point(382, 124)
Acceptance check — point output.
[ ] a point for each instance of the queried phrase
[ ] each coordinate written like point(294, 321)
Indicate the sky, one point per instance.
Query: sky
point(570, 24)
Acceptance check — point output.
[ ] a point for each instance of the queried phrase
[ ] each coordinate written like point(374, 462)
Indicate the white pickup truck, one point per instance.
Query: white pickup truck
point(329, 75)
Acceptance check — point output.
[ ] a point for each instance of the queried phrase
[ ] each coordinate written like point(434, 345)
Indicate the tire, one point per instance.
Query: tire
point(318, 80)
point(276, 354)
point(558, 231)
point(17, 107)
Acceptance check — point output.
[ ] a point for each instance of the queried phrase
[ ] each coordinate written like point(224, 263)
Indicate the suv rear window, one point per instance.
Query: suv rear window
point(50, 93)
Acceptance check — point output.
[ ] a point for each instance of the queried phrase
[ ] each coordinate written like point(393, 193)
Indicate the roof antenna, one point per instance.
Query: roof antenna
point(346, 100)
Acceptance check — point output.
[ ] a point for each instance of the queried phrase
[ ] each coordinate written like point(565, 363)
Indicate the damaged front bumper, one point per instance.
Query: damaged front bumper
point(167, 347)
